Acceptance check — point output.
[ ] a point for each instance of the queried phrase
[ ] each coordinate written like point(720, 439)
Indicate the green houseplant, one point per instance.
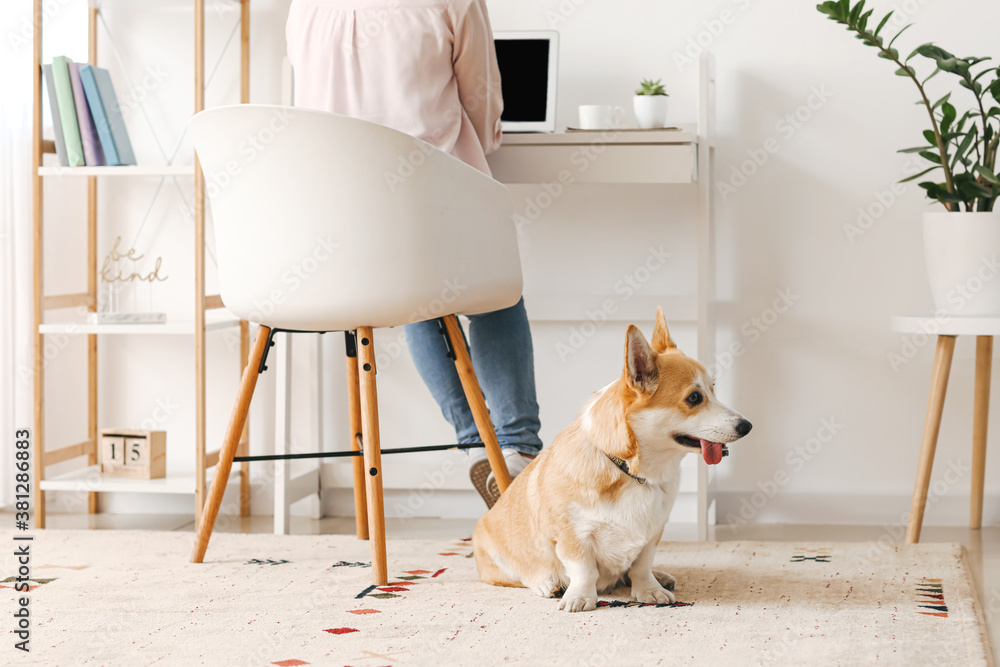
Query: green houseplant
point(960, 243)
point(650, 104)
point(650, 87)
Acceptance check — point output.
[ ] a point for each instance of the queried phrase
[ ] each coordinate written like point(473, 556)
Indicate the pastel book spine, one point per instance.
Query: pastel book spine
point(67, 112)
point(96, 107)
point(50, 86)
point(114, 114)
point(88, 133)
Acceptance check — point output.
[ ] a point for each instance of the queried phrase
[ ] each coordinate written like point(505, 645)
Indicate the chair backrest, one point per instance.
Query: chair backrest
point(327, 222)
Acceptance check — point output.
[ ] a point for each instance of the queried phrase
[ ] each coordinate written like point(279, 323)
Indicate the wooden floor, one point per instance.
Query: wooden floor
point(983, 545)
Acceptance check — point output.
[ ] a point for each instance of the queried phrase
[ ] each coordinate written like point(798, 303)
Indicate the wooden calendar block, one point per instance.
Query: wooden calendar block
point(112, 451)
point(134, 454)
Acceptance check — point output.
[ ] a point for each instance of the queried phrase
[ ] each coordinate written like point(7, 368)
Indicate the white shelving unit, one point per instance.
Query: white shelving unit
point(215, 320)
point(90, 479)
point(208, 311)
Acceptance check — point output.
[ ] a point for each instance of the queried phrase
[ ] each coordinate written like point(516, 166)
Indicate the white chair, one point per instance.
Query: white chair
point(329, 223)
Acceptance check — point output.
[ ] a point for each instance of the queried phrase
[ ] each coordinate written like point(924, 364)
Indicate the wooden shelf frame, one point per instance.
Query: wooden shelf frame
point(202, 302)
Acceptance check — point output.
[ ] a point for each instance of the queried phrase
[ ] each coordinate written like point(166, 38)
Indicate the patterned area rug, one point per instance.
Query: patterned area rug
point(131, 598)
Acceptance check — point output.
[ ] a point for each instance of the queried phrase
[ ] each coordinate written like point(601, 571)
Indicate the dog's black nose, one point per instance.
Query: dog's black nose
point(743, 427)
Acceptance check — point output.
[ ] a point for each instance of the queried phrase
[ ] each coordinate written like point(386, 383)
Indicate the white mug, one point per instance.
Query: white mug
point(600, 116)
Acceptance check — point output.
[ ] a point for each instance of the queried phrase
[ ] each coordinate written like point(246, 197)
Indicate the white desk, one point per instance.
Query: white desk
point(654, 157)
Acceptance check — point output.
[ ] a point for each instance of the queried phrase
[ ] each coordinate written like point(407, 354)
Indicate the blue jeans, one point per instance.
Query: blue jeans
point(500, 347)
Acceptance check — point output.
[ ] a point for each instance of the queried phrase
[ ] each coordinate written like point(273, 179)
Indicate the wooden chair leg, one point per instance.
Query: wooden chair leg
point(233, 433)
point(354, 409)
point(244, 448)
point(372, 454)
point(980, 419)
point(474, 395)
point(932, 425)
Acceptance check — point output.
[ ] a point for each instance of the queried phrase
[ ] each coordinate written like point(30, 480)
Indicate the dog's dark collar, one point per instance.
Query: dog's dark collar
point(623, 466)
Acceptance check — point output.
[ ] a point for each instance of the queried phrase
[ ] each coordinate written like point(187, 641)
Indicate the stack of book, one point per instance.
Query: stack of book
point(86, 115)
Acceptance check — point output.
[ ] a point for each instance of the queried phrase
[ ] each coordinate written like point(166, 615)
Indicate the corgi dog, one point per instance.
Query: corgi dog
point(587, 513)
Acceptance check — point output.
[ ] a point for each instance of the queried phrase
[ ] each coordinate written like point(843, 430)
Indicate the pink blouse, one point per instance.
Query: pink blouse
point(424, 67)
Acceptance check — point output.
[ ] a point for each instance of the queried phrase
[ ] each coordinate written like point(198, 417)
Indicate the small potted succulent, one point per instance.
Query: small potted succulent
point(650, 105)
point(961, 242)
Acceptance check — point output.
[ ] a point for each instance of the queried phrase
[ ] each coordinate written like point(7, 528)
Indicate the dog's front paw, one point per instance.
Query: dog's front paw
point(654, 594)
point(666, 579)
point(571, 602)
point(547, 588)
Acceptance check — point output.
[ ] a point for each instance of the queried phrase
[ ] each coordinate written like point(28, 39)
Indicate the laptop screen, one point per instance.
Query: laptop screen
point(524, 77)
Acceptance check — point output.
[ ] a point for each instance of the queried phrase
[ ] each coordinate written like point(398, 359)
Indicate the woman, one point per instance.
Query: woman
point(428, 68)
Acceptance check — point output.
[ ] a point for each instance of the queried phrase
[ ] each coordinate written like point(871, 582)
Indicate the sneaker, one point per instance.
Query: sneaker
point(479, 473)
point(482, 475)
point(516, 462)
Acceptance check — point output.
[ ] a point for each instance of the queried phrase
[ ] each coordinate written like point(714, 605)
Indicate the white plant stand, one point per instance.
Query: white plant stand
point(947, 329)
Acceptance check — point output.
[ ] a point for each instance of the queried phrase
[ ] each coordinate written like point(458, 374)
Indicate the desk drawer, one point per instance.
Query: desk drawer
point(596, 162)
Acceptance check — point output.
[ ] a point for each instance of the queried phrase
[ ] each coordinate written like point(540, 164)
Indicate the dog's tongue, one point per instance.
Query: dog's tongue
point(711, 451)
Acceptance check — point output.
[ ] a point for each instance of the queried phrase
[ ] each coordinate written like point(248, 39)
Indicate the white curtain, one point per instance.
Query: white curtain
point(16, 380)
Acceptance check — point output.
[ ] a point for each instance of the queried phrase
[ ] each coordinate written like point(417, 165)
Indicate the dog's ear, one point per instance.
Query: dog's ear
point(661, 336)
point(640, 361)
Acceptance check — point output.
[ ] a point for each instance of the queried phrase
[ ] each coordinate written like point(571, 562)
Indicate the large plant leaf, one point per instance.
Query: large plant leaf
point(929, 77)
point(931, 50)
point(856, 12)
point(947, 116)
point(885, 19)
point(931, 156)
point(963, 149)
point(863, 20)
point(987, 174)
point(972, 189)
point(916, 176)
point(940, 101)
point(940, 192)
point(969, 137)
point(901, 31)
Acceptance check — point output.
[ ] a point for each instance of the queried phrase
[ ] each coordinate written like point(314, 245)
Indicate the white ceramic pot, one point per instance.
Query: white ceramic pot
point(962, 251)
point(650, 111)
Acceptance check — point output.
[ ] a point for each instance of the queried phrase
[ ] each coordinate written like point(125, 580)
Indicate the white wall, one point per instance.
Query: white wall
point(783, 230)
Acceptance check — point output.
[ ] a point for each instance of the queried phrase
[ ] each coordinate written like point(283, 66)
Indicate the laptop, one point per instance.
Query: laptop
point(528, 62)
